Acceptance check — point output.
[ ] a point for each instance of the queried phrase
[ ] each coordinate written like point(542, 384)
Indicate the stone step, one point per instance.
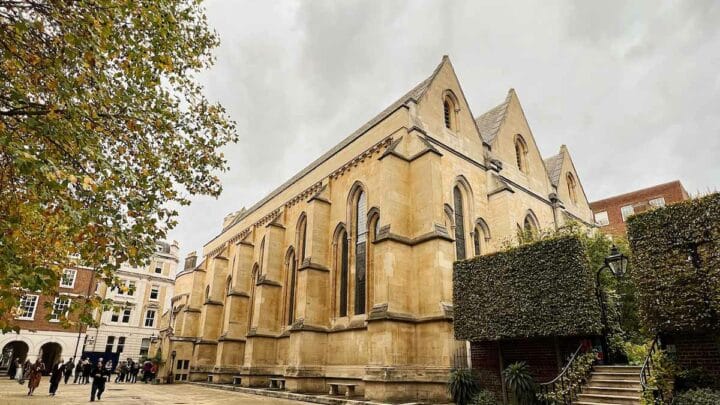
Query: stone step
point(610, 399)
point(599, 382)
point(624, 369)
point(612, 391)
point(615, 375)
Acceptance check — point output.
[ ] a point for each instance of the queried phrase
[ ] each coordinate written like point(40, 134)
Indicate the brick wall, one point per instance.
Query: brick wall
point(672, 192)
point(695, 351)
point(84, 282)
point(544, 356)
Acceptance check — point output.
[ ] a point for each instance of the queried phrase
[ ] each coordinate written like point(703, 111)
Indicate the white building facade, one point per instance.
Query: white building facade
point(146, 297)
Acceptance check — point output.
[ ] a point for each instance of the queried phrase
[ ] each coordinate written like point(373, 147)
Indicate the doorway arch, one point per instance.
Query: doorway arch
point(50, 354)
point(14, 350)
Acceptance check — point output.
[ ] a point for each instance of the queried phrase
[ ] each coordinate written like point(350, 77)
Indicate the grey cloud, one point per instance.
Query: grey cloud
point(631, 87)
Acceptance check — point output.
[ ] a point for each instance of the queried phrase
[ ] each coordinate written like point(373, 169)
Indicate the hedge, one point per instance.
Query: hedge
point(677, 290)
point(541, 289)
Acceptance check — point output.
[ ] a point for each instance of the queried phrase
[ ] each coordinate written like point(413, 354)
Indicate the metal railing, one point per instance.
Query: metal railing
point(646, 371)
point(564, 388)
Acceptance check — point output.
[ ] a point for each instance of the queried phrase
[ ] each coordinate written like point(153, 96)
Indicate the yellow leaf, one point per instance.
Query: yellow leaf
point(72, 179)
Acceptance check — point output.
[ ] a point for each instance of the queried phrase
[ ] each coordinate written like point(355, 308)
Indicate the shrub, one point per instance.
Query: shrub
point(702, 396)
point(676, 254)
point(484, 397)
point(541, 289)
point(694, 378)
point(463, 385)
point(520, 382)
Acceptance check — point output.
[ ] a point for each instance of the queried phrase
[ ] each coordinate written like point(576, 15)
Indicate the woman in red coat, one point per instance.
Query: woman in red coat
point(35, 375)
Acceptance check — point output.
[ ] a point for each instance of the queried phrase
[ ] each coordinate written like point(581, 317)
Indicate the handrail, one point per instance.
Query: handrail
point(567, 388)
point(647, 369)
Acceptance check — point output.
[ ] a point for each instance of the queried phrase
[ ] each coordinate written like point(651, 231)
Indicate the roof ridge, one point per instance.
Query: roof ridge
point(414, 94)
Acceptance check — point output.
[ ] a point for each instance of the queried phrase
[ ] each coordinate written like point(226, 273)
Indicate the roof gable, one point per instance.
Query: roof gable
point(490, 122)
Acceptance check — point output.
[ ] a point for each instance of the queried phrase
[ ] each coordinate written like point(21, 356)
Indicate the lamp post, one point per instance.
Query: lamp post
point(617, 263)
point(172, 366)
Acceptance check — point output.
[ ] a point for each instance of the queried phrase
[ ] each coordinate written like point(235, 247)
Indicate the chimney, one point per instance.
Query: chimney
point(190, 260)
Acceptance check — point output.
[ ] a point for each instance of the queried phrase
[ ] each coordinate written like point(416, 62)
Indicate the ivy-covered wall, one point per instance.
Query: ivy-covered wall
point(541, 289)
point(676, 257)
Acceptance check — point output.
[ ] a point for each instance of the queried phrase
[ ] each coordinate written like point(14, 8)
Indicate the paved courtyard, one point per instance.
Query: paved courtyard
point(12, 393)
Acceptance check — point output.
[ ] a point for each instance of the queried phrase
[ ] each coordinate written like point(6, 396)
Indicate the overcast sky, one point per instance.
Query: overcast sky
point(632, 88)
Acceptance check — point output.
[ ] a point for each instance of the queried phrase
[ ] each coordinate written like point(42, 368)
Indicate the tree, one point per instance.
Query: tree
point(103, 130)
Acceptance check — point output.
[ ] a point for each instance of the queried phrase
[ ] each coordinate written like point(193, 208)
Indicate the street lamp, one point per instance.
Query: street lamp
point(172, 366)
point(617, 263)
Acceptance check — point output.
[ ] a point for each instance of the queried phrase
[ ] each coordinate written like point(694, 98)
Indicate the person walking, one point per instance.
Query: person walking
point(153, 372)
point(108, 370)
point(68, 368)
point(55, 376)
point(78, 372)
point(98, 385)
point(87, 367)
point(35, 376)
point(134, 370)
point(18, 370)
point(25, 372)
point(147, 366)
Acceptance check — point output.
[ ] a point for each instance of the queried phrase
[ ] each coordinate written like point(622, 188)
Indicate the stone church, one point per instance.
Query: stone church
point(344, 272)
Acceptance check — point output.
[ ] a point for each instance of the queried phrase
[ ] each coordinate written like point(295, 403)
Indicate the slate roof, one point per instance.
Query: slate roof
point(553, 166)
point(413, 95)
point(489, 123)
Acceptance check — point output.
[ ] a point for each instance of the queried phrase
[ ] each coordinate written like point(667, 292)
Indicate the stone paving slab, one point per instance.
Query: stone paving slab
point(12, 393)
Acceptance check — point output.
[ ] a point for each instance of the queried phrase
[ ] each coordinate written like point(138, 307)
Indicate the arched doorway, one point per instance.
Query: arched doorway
point(11, 351)
point(50, 354)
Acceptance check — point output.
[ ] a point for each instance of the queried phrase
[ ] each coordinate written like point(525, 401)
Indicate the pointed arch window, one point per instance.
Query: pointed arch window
point(361, 230)
point(262, 254)
point(521, 151)
point(572, 188)
point(450, 111)
point(476, 241)
point(302, 236)
point(459, 224)
point(228, 285)
point(291, 269)
point(481, 236)
point(342, 264)
point(530, 227)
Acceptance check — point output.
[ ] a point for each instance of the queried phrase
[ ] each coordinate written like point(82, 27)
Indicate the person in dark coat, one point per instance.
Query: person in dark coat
point(68, 369)
point(56, 375)
point(98, 385)
point(87, 367)
point(78, 372)
point(134, 370)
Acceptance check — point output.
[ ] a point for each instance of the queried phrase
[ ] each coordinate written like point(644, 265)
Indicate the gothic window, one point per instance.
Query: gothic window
point(343, 252)
point(572, 188)
point(521, 154)
point(207, 293)
point(449, 112)
point(530, 226)
point(361, 230)
point(480, 233)
point(302, 236)
point(476, 241)
point(228, 285)
point(291, 269)
point(459, 224)
point(262, 254)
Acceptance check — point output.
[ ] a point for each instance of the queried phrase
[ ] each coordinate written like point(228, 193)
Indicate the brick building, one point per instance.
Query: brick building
point(41, 332)
point(612, 212)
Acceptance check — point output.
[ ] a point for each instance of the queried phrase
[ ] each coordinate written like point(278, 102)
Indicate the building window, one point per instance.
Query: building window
point(450, 112)
point(114, 317)
point(127, 288)
point(120, 345)
point(476, 241)
point(28, 304)
point(158, 269)
point(572, 188)
point(110, 343)
point(343, 255)
point(459, 224)
point(68, 278)
point(291, 267)
point(601, 218)
point(154, 292)
point(626, 211)
point(150, 318)
point(144, 347)
point(657, 202)
point(60, 308)
point(302, 236)
point(521, 154)
point(360, 251)
point(530, 228)
point(126, 315)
